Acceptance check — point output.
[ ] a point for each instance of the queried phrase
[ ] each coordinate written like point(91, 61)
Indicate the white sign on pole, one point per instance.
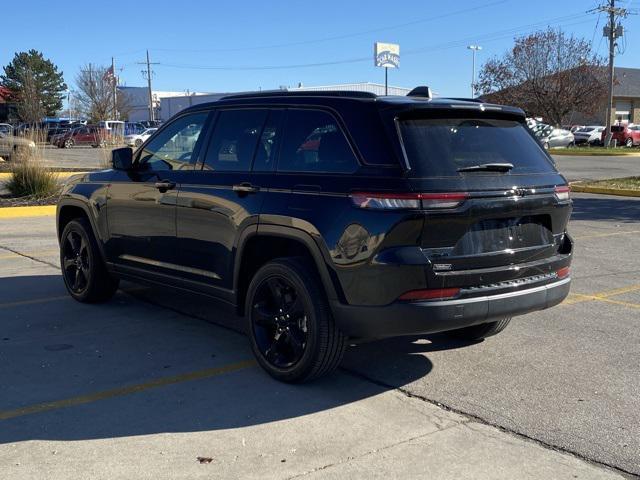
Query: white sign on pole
point(386, 55)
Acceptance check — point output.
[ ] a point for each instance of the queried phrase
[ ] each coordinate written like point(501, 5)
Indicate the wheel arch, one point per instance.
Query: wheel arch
point(269, 242)
point(70, 209)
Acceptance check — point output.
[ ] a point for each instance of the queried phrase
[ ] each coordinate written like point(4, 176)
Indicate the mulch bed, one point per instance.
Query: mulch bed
point(30, 201)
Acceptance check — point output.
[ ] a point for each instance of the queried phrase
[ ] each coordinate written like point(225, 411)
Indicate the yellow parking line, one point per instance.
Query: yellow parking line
point(34, 301)
point(118, 392)
point(4, 176)
point(585, 298)
point(603, 296)
point(600, 235)
point(17, 212)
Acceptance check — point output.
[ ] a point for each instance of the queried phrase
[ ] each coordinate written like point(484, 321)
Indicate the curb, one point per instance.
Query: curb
point(23, 212)
point(604, 191)
point(594, 154)
point(4, 176)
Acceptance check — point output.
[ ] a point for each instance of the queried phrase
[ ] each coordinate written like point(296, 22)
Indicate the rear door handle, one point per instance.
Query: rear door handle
point(245, 188)
point(164, 185)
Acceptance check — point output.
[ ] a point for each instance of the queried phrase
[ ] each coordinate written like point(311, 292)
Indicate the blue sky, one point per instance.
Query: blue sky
point(215, 46)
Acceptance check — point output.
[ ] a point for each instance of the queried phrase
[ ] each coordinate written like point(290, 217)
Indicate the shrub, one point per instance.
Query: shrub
point(31, 178)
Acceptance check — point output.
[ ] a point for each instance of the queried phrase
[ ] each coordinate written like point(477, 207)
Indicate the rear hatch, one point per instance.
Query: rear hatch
point(512, 210)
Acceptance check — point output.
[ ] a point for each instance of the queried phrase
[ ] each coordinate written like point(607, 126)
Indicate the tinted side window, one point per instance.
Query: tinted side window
point(314, 142)
point(268, 144)
point(172, 148)
point(234, 140)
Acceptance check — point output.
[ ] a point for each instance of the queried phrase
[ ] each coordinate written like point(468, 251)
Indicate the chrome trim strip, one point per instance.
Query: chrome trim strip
point(488, 298)
point(171, 266)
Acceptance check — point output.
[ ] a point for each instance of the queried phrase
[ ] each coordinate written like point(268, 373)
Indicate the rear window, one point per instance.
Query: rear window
point(617, 129)
point(438, 147)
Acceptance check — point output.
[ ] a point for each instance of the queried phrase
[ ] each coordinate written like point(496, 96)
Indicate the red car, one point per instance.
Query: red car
point(627, 135)
point(89, 135)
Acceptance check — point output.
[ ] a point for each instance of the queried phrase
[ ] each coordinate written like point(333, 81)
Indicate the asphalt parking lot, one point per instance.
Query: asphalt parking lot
point(158, 384)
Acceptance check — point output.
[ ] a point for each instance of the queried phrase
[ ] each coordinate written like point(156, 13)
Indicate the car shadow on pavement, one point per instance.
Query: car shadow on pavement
point(622, 209)
point(53, 348)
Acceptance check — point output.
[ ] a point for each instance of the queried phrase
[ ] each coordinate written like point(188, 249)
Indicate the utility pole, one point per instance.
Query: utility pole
point(149, 73)
point(612, 31)
point(474, 49)
point(114, 84)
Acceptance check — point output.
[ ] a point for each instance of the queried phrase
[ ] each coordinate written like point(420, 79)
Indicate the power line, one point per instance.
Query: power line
point(342, 36)
point(447, 45)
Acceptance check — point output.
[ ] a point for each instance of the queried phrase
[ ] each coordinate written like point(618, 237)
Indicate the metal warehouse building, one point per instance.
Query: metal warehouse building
point(171, 105)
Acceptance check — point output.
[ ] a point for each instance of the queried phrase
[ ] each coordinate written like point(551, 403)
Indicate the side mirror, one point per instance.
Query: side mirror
point(122, 158)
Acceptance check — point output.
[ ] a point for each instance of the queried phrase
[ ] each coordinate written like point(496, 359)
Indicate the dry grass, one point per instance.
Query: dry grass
point(626, 183)
point(29, 178)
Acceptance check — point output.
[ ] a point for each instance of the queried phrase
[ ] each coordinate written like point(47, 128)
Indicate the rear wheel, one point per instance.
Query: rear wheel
point(83, 269)
point(289, 322)
point(480, 332)
point(629, 142)
point(546, 145)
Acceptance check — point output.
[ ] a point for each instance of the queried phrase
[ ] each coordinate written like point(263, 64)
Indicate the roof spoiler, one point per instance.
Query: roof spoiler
point(421, 91)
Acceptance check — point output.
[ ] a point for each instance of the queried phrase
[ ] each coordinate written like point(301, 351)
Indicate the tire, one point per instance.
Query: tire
point(83, 269)
point(480, 332)
point(68, 143)
point(299, 348)
point(628, 142)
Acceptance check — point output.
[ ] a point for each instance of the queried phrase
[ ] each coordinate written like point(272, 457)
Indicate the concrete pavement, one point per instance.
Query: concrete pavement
point(566, 378)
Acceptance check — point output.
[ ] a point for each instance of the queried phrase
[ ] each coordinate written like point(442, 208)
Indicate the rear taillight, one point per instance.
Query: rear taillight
point(562, 193)
point(563, 272)
point(393, 201)
point(430, 294)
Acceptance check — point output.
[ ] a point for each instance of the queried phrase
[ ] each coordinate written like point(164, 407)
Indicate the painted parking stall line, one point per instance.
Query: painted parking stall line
point(128, 390)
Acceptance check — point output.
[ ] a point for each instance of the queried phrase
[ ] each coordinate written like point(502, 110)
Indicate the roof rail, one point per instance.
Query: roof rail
point(303, 93)
point(462, 99)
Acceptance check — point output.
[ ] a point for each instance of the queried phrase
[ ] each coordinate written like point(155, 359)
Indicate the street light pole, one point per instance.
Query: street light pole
point(474, 49)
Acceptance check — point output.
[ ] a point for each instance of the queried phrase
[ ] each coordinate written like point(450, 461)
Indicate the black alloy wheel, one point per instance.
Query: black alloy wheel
point(279, 322)
point(290, 325)
point(76, 266)
point(83, 269)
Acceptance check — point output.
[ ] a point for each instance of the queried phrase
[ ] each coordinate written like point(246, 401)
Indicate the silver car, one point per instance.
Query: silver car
point(12, 145)
point(551, 137)
point(590, 135)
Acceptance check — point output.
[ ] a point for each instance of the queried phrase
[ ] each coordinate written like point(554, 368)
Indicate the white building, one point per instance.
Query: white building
point(138, 101)
point(172, 104)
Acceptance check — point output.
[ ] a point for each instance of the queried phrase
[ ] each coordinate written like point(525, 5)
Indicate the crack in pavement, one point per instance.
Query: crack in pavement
point(485, 421)
point(30, 257)
point(373, 451)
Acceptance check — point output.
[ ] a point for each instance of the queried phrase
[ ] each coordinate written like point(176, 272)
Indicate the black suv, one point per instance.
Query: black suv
point(328, 217)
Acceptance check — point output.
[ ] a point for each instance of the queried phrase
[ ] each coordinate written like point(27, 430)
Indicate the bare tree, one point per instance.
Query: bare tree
point(95, 92)
point(548, 74)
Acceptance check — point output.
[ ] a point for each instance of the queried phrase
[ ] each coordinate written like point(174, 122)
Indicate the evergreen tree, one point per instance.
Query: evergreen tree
point(35, 85)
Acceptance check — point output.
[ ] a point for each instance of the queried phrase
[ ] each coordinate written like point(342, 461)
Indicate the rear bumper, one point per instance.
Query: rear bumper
point(401, 318)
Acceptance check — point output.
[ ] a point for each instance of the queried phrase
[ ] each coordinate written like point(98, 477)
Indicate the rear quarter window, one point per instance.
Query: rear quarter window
point(314, 142)
point(438, 147)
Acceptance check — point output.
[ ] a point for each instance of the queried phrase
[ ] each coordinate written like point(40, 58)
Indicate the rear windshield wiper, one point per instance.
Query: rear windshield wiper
point(487, 167)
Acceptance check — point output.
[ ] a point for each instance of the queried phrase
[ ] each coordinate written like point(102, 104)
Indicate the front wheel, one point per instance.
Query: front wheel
point(68, 143)
point(138, 142)
point(480, 332)
point(629, 142)
point(289, 322)
point(546, 145)
point(83, 269)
